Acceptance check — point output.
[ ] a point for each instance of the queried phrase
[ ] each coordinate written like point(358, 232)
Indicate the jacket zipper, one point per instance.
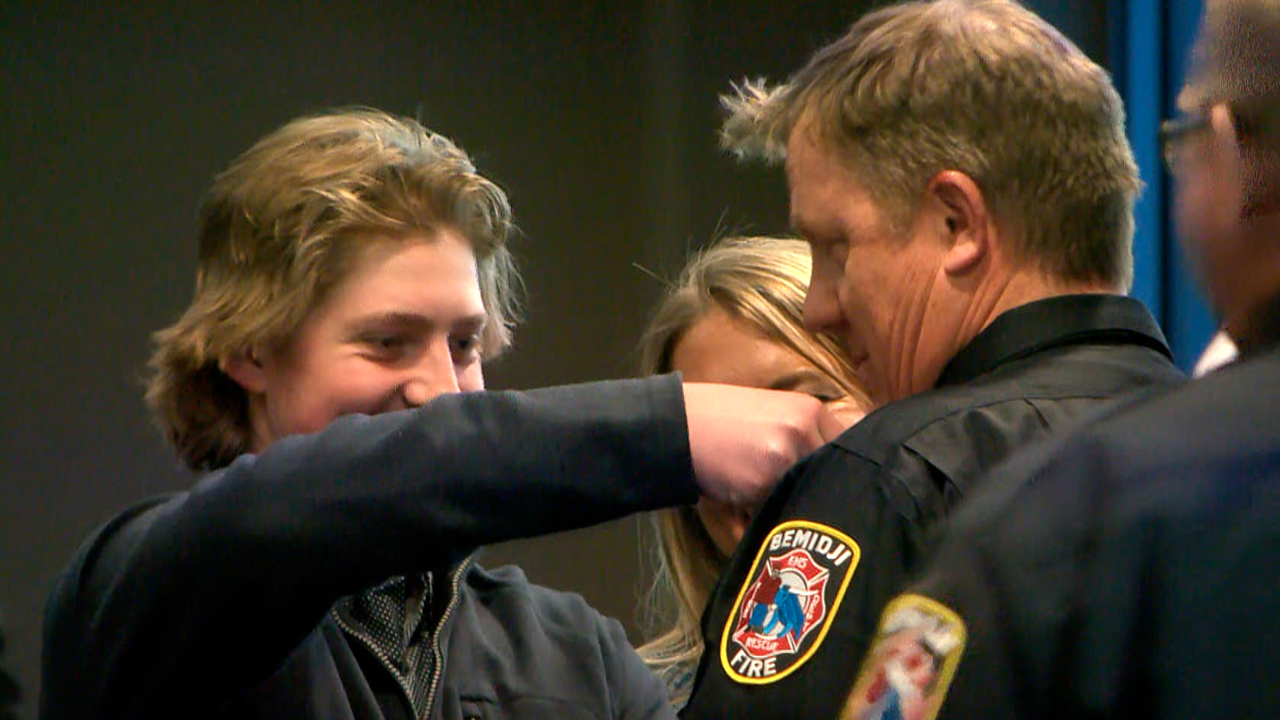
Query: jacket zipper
point(368, 645)
point(454, 595)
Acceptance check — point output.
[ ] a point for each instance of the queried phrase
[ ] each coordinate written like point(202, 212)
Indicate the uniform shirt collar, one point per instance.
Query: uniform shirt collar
point(1054, 322)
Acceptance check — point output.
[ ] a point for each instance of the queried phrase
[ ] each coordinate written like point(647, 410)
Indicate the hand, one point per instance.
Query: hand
point(743, 440)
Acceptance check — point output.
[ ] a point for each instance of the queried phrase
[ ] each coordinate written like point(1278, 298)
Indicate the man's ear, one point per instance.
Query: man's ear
point(246, 369)
point(966, 219)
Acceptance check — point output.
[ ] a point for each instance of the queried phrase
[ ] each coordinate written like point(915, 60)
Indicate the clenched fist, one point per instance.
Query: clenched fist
point(743, 440)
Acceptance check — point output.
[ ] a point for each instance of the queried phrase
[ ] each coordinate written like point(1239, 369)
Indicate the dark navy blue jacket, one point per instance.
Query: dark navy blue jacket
point(218, 602)
point(1130, 571)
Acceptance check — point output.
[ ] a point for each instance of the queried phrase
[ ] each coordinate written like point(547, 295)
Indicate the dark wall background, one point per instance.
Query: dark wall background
point(598, 118)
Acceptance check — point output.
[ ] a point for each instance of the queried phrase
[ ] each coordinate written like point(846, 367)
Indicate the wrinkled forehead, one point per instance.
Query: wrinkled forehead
point(820, 170)
point(810, 170)
point(813, 156)
point(812, 131)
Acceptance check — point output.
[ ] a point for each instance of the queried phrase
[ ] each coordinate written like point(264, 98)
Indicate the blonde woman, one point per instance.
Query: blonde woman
point(735, 316)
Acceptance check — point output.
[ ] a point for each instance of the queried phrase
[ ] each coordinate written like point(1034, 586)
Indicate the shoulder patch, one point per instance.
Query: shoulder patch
point(785, 606)
point(911, 663)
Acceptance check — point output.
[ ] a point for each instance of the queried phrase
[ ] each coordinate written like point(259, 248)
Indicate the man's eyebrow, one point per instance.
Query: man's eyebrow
point(418, 321)
point(394, 317)
point(477, 321)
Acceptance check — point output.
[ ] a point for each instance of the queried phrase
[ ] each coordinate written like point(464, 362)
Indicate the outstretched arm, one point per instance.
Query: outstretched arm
point(205, 593)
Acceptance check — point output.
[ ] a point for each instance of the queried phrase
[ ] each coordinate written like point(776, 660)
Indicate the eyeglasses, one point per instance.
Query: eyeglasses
point(1174, 135)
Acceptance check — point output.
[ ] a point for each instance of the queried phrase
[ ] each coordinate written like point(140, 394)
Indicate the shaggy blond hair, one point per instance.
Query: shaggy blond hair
point(761, 281)
point(984, 87)
point(280, 228)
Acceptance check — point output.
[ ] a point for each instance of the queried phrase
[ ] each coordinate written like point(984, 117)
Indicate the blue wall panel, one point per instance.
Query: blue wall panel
point(1191, 325)
point(1149, 46)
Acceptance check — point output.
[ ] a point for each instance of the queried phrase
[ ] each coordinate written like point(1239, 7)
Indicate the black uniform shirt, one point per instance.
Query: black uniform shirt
point(796, 609)
point(1131, 570)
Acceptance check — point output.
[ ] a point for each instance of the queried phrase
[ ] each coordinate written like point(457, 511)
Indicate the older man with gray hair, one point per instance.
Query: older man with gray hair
point(961, 173)
point(1131, 571)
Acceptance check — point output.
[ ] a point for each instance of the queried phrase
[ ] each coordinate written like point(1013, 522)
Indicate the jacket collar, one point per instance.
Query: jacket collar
point(1054, 322)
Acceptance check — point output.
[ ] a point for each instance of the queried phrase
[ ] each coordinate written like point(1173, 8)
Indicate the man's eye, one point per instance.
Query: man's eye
point(387, 344)
point(465, 346)
point(828, 256)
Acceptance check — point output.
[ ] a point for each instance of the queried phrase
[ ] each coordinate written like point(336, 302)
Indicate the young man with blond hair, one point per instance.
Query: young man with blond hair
point(961, 174)
point(1131, 569)
point(353, 277)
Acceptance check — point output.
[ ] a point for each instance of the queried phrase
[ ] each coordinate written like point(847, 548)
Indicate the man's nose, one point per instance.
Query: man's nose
point(433, 375)
point(821, 307)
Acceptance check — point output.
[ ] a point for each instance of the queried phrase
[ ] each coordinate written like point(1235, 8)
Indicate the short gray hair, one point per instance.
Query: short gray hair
point(981, 86)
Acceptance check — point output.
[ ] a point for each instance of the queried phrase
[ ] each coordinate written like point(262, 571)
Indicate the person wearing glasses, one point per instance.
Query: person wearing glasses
point(961, 174)
point(1132, 569)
